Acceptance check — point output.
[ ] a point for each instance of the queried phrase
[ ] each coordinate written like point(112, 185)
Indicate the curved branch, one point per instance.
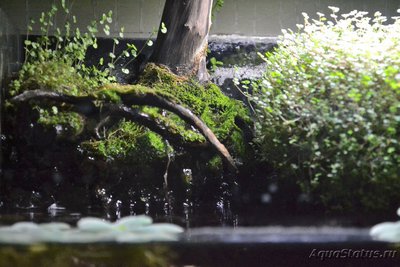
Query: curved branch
point(59, 97)
point(82, 104)
point(85, 105)
point(157, 126)
point(152, 99)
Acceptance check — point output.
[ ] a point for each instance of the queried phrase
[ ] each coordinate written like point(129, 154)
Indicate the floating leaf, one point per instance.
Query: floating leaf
point(94, 225)
point(131, 223)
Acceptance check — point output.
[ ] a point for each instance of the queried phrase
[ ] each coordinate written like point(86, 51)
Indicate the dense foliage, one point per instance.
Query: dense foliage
point(128, 140)
point(328, 109)
point(59, 63)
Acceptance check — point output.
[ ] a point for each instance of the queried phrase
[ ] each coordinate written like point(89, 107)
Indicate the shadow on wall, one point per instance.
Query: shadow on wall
point(10, 56)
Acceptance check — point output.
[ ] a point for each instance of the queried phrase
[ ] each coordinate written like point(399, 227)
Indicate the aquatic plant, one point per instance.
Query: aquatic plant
point(387, 231)
point(131, 229)
point(93, 242)
point(328, 109)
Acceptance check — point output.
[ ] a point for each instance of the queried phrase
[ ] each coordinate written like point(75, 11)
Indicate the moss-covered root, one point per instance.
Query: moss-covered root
point(132, 97)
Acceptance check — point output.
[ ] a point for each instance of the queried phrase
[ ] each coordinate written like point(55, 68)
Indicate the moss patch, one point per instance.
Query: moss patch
point(127, 141)
point(53, 75)
point(208, 102)
point(69, 123)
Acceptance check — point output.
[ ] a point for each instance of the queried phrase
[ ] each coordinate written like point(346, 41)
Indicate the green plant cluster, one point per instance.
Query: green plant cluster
point(206, 101)
point(128, 141)
point(328, 108)
point(57, 62)
point(70, 124)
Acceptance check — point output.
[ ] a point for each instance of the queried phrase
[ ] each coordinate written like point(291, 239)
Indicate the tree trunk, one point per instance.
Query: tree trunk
point(183, 48)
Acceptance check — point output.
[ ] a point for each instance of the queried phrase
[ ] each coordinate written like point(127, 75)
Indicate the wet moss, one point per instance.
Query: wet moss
point(206, 101)
point(175, 124)
point(128, 141)
point(54, 75)
point(67, 124)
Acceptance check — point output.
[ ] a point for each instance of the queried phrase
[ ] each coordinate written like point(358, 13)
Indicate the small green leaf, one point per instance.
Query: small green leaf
point(126, 71)
point(164, 29)
point(106, 30)
point(54, 109)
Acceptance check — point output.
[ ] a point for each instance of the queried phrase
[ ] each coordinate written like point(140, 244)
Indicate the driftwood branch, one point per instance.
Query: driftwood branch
point(155, 125)
point(85, 105)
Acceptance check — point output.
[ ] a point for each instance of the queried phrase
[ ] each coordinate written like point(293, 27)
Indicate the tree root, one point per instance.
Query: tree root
point(85, 105)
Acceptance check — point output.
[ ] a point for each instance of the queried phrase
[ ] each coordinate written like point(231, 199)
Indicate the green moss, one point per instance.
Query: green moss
point(151, 147)
point(208, 102)
point(121, 140)
point(108, 95)
point(175, 124)
point(53, 75)
point(154, 74)
point(215, 163)
point(71, 123)
point(128, 141)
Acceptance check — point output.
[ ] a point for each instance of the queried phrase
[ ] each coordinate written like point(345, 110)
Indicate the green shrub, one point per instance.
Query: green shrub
point(328, 109)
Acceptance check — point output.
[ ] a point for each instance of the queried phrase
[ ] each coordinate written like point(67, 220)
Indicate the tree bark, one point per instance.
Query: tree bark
point(183, 48)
